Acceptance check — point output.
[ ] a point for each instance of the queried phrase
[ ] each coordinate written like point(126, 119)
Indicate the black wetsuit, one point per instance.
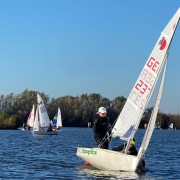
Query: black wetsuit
point(132, 150)
point(101, 127)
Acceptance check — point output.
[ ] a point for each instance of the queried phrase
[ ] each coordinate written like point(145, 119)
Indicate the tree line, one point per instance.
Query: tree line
point(76, 111)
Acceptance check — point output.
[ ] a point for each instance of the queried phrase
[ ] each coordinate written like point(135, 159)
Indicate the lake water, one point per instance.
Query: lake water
point(24, 156)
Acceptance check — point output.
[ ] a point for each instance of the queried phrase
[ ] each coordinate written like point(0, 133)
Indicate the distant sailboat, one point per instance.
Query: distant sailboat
point(57, 120)
point(42, 120)
point(157, 125)
point(89, 124)
point(30, 120)
point(129, 119)
point(171, 126)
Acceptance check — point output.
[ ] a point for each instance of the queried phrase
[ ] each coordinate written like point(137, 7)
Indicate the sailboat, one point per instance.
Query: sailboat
point(30, 120)
point(129, 119)
point(171, 126)
point(57, 120)
point(42, 120)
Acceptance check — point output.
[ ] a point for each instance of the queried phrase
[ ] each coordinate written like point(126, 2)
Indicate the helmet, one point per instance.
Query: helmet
point(133, 142)
point(102, 110)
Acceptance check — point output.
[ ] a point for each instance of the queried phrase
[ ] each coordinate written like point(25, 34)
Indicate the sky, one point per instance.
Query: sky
point(74, 47)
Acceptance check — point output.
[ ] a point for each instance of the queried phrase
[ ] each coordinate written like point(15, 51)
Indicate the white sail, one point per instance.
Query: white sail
point(36, 126)
point(138, 99)
point(171, 126)
point(152, 120)
point(59, 119)
point(31, 117)
point(43, 115)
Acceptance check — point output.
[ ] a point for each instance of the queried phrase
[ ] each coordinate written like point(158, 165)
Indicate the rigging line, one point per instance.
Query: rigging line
point(105, 138)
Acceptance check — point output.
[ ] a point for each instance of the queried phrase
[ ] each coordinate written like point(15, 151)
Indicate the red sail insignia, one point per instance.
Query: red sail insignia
point(162, 43)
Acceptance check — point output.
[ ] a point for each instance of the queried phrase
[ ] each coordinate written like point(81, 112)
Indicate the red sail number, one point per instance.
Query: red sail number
point(141, 87)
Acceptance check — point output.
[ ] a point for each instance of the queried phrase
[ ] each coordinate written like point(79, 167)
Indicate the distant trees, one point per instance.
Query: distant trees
point(175, 119)
point(163, 120)
point(76, 111)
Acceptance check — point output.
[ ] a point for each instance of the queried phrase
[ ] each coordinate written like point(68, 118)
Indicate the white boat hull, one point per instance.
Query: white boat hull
point(45, 132)
point(110, 160)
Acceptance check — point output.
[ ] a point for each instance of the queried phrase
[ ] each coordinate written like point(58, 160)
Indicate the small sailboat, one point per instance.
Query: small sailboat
point(42, 121)
point(129, 119)
point(89, 124)
point(30, 120)
point(171, 126)
point(57, 120)
point(157, 125)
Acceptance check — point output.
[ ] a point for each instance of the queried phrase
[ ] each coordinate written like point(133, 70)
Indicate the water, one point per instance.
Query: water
point(24, 156)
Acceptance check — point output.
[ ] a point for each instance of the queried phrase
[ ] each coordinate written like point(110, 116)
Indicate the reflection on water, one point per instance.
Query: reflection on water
point(108, 174)
point(103, 174)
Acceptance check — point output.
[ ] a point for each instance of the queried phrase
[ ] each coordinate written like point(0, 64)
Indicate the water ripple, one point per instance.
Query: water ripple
point(25, 156)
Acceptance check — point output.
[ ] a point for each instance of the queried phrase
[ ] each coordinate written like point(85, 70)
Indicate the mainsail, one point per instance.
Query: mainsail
point(36, 126)
point(43, 115)
point(30, 120)
point(171, 126)
point(59, 119)
point(129, 118)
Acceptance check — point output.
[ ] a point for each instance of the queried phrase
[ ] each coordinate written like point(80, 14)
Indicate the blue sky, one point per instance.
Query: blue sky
point(72, 47)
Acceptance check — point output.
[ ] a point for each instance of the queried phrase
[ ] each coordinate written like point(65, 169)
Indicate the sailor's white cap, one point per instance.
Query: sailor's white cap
point(102, 110)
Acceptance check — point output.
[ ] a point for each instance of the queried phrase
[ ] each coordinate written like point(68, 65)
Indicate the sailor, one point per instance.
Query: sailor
point(50, 129)
point(24, 126)
point(101, 126)
point(132, 150)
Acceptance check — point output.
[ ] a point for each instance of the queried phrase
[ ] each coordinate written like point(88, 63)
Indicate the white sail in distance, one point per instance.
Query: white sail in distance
point(59, 119)
point(43, 115)
point(36, 126)
point(31, 117)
